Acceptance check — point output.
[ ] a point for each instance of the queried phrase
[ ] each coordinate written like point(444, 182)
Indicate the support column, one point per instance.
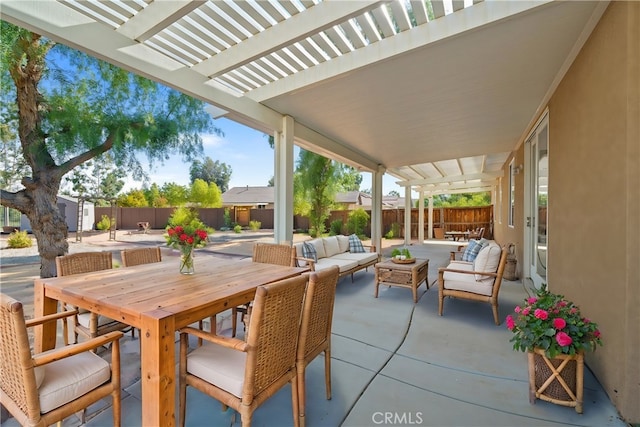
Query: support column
point(430, 216)
point(283, 182)
point(376, 208)
point(407, 215)
point(421, 216)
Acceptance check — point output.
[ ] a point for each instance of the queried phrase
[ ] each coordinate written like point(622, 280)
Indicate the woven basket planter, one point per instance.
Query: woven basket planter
point(558, 380)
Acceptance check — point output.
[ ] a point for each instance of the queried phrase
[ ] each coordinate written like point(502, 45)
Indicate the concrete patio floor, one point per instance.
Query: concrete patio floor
point(397, 363)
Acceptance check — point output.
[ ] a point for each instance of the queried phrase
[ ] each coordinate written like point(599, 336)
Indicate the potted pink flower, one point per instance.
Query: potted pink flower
point(556, 335)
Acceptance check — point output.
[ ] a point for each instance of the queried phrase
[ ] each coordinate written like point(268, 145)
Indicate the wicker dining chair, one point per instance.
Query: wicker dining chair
point(315, 329)
point(242, 374)
point(131, 257)
point(268, 253)
point(86, 323)
point(45, 388)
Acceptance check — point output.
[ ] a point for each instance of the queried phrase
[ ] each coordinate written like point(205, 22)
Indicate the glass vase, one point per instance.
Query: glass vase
point(186, 261)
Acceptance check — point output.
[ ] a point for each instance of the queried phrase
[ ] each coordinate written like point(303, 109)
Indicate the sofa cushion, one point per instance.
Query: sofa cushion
point(331, 246)
point(317, 243)
point(487, 260)
point(343, 264)
point(355, 245)
point(343, 243)
point(472, 250)
point(361, 258)
point(309, 251)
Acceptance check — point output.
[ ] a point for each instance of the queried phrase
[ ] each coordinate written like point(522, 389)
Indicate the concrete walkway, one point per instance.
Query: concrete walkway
point(393, 363)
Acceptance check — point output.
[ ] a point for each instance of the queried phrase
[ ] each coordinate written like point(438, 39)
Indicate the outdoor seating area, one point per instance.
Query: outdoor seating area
point(386, 356)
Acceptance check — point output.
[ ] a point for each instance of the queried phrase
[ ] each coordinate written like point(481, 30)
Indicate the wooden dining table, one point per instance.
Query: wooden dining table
point(158, 300)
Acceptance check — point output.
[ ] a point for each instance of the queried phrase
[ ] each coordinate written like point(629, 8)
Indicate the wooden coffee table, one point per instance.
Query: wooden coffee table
point(404, 275)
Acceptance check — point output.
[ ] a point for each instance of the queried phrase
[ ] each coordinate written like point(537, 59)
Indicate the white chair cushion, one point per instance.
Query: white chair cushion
point(317, 243)
point(331, 246)
point(361, 258)
point(466, 282)
point(218, 365)
point(343, 243)
point(70, 378)
point(83, 319)
point(487, 260)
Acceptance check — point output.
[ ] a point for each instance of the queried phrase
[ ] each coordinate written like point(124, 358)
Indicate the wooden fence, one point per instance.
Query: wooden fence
point(450, 219)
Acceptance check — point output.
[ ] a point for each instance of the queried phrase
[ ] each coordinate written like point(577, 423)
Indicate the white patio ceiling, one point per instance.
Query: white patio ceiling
point(437, 93)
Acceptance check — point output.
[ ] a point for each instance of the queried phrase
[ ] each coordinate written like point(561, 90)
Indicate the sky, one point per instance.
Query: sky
point(246, 151)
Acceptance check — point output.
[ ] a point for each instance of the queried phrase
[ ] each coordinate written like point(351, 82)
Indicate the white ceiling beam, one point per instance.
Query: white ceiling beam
point(485, 13)
point(320, 144)
point(458, 191)
point(155, 17)
point(63, 24)
point(318, 18)
point(457, 178)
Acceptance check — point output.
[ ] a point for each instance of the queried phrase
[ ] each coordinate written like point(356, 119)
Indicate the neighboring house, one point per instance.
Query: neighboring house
point(246, 198)
point(357, 199)
point(243, 199)
point(68, 207)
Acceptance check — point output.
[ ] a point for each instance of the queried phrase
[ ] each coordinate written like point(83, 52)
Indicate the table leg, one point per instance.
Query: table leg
point(45, 335)
point(377, 281)
point(158, 362)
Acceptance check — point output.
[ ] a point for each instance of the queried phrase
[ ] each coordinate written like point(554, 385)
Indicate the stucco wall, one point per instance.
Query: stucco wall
point(503, 233)
point(594, 197)
point(594, 188)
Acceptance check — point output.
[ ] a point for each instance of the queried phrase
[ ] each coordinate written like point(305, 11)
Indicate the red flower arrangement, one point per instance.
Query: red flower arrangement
point(179, 236)
point(550, 322)
point(186, 238)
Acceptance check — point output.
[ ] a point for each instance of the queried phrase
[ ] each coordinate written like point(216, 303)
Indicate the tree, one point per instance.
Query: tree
point(394, 193)
point(461, 200)
point(176, 194)
point(86, 108)
point(154, 197)
point(98, 178)
point(133, 199)
point(317, 183)
point(205, 194)
point(210, 171)
point(349, 179)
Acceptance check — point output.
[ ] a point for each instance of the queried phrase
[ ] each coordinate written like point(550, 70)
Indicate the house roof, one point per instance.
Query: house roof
point(248, 196)
point(435, 93)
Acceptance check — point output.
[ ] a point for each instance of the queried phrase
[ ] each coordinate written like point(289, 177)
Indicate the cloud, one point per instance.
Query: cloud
point(211, 140)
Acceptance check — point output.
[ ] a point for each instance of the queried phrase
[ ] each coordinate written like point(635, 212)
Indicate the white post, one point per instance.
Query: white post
point(421, 216)
point(376, 208)
point(283, 182)
point(407, 215)
point(431, 216)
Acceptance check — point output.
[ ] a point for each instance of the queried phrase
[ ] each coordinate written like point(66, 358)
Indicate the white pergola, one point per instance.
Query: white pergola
point(435, 93)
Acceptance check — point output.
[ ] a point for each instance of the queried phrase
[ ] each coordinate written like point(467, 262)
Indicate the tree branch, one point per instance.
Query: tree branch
point(17, 200)
point(87, 155)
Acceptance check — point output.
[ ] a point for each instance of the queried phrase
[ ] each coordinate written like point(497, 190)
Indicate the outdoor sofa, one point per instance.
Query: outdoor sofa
point(347, 252)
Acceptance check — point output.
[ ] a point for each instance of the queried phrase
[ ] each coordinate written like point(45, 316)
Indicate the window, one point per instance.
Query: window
point(512, 192)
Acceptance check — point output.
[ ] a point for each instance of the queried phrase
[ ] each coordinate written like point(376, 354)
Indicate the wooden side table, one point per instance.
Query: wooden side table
point(403, 275)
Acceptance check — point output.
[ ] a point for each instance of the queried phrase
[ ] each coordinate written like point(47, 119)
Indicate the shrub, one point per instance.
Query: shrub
point(255, 225)
point(357, 222)
point(104, 223)
point(227, 218)
point(335, 227)
point(394, 232)
point(237, 228)
point(19, 239)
